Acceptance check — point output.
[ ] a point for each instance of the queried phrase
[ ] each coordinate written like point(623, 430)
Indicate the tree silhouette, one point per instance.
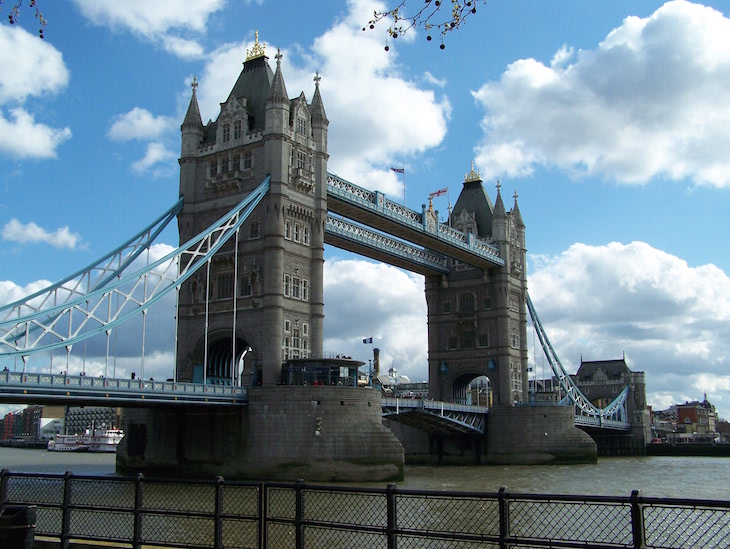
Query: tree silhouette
point(14, 14)
point(436, 17)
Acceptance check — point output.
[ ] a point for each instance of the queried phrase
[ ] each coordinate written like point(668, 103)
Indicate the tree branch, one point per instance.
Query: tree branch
point(429, 17)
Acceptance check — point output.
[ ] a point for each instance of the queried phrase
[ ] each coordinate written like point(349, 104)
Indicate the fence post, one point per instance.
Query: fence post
point(66, 510)
point(4, 485)
point(637, 520)
point(299, 513)
point(391, 531)
point(218, 520)
point(503, 517)
point(138, 494)
point(263, 516)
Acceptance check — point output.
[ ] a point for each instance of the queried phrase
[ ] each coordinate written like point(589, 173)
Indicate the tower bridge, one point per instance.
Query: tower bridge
point(257, 206)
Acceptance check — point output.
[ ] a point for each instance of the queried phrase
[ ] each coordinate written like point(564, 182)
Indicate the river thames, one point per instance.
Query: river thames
point(685, 477)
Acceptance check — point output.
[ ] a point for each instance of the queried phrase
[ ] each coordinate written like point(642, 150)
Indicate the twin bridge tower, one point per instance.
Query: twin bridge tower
point(258, 304)
point(269, 282)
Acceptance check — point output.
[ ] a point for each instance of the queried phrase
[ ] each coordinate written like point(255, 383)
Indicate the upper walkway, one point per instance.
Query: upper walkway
point(373, 209)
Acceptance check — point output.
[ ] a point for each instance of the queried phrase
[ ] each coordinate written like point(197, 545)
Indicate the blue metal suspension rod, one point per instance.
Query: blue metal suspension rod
point(81, 282)
point(583, 406)
point(91, 309)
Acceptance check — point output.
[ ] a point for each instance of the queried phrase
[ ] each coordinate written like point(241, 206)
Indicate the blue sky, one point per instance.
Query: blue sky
point(610, 120)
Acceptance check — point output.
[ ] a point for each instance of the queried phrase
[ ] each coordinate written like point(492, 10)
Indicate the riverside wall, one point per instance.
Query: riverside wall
point(515, 436)
point(316, 433)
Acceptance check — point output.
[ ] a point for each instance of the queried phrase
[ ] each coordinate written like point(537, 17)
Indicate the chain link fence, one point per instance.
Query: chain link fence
point(219, 514)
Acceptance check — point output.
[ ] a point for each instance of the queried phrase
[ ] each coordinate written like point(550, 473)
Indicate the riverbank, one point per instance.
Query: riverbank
point(694, 449)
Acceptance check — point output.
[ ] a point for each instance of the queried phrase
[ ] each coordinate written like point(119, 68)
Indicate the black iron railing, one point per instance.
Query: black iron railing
point(217, 513)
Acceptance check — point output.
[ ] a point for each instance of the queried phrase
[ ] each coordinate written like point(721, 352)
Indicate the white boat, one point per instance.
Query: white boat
point(102, 440)
point(66, 443)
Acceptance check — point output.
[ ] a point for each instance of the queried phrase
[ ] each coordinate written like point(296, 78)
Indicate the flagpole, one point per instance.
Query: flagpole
point(403, 166)
point(448, 197)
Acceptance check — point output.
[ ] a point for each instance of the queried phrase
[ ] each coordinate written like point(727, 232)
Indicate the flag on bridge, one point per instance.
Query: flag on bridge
point(367, 340)
point(438, 193)
point(398, 170)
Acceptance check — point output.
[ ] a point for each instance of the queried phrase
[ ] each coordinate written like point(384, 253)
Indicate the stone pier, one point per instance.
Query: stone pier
point(285, 433)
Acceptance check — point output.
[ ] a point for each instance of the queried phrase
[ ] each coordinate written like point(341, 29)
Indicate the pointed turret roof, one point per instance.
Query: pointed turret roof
point(499, 205)
point(277, 91)
point(473, 198)
point(192, 117)
point(516, 215)
point(317, 108)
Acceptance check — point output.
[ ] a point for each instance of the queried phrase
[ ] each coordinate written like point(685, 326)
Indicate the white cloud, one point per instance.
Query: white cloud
point(669, 318)
point(156, 154)
point(23, 137)
point(15, 231)
point(185, 49)
point(150, 18)
point(365, 299)
point(378, 117)
point(139, 124)
point(652, 100)
point(31, 66)
point(162, 21)
point(11, 292)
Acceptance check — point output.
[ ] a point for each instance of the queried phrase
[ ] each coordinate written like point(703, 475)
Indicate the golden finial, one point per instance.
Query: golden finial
point(257, 50)
point(472, 175)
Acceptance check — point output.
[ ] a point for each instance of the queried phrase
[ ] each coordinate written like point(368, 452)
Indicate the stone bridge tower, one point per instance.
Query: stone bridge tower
point(477, 320)
point(269, 281)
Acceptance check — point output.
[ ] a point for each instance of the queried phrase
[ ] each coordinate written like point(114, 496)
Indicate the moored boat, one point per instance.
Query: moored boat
point(102, 440)
point(66, 443)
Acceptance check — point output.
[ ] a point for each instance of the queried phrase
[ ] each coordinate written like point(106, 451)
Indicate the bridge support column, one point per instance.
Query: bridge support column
point(530, 435)
point(286, 433)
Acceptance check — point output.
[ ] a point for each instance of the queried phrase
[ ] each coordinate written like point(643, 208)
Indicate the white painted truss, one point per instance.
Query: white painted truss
point(98, 299)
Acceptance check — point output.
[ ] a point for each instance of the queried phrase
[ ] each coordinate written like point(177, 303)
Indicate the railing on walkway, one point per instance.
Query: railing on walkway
point(463, 417)
point(69, 389)
point(217, 513)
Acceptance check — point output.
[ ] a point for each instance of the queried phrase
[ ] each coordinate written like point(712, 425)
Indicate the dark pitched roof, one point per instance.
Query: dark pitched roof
point(254, 83)
point(473, 198)
point(614, 369)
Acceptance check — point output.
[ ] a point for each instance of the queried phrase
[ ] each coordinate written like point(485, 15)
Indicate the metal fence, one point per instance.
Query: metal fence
point(216, 514)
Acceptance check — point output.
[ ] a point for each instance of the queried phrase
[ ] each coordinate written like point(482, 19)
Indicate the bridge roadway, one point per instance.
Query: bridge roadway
point(81, 390)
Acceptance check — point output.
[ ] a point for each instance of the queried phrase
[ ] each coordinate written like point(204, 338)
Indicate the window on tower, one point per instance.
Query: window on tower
point(226, 133)
point(237, 129)
point(301, 125)
point(225, 285)
point(466, 303)
point(254, 229)
point(247, 160)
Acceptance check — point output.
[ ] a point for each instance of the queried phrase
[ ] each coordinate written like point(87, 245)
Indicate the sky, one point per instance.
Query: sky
point(610, 121)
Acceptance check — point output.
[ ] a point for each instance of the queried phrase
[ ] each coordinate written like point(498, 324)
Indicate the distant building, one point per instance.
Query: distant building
point(79, 419)
point(601, 381)
point(690, 422)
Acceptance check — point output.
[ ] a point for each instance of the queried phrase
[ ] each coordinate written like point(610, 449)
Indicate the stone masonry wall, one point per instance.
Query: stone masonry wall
point(537, 435)
point(285, 433)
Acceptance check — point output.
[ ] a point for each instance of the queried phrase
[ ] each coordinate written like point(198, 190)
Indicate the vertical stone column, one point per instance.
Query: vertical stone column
point(317, 284)
point(435, 385)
